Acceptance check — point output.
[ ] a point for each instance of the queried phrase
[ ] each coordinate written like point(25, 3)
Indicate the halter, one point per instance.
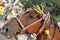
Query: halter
point(46, 20)
point(42, 27)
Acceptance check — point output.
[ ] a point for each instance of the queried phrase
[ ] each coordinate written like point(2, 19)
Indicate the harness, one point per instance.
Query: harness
point(46, 20)
point(42, 27)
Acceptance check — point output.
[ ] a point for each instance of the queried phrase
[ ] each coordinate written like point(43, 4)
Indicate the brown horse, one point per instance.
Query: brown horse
point(32, 23)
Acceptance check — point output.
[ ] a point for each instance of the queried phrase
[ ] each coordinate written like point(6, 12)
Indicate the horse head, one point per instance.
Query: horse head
point(26, 19)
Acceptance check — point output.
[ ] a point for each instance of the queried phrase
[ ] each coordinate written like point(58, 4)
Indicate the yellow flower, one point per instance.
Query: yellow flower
point(1, 10)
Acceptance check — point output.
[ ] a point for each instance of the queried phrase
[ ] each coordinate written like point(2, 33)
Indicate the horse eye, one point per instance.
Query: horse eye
point(31, 16)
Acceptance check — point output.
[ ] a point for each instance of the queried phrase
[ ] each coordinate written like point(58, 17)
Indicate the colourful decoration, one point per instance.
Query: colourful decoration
point(47, 32)
point(1, 10)
point(12, 14)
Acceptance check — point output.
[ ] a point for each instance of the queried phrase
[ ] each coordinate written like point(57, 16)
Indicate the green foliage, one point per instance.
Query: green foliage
point(57, 18)
point(57, 10)
point(56, 1)
point(31, 3)
point(27, 3)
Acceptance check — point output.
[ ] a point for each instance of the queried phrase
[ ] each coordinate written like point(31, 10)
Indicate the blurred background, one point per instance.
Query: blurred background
point(52, 5)
point(54, 12)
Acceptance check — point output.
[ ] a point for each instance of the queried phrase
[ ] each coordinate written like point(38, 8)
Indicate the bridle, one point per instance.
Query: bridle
point(46, 20)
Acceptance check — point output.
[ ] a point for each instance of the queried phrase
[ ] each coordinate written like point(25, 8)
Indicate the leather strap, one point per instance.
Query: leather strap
point(20, 22)
point(44, 24)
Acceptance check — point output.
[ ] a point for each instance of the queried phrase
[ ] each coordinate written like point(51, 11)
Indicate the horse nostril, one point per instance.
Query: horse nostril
point(6, 29)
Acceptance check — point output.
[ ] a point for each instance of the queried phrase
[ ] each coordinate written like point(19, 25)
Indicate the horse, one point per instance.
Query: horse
point(30, 22)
